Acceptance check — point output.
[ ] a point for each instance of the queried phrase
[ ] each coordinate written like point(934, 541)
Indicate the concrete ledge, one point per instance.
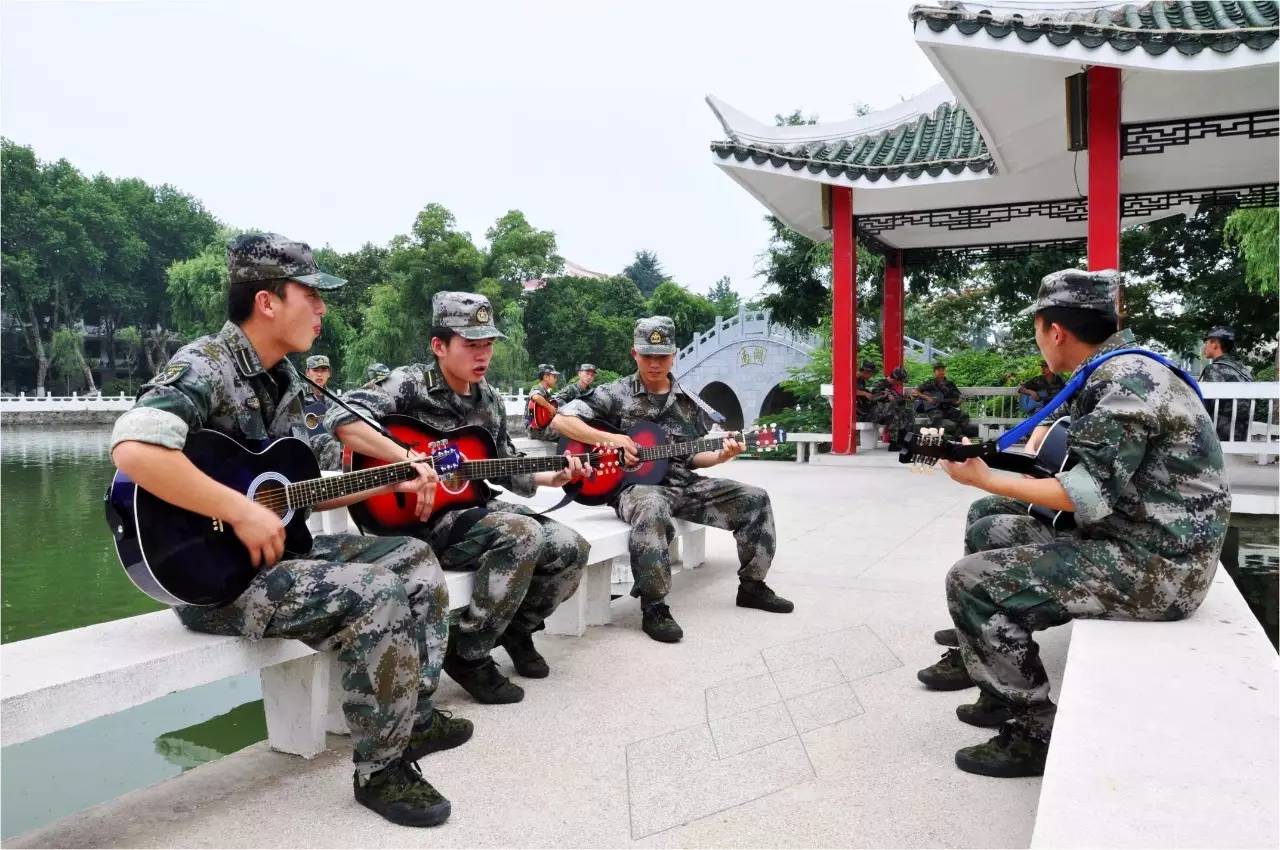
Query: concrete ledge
point(1166, 734)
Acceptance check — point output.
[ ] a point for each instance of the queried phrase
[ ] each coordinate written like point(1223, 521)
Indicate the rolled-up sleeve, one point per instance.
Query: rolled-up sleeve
point(166, 412)
point(595, 403)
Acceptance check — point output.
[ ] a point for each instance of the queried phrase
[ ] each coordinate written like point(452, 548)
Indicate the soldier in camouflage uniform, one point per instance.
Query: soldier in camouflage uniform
point(547, 377)
point(865, 400)
point(580, 387)
point(1219, 345)
point(653, 394)
point(1151, 505)
point(1035, 392)
point(940, 402)
point(892, 409)
point(525, 564)
point(328, 450)
point(380, 604)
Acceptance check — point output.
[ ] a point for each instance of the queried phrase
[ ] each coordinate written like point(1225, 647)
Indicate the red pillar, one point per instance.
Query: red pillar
point(844, 339)
point(891, 314)
point(1104, 168)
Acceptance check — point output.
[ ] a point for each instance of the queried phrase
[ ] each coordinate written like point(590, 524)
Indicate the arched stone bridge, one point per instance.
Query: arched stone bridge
point(738, 364)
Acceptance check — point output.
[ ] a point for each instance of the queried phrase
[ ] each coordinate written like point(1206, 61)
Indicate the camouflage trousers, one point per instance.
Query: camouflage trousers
point(1018, 576)
point(380, 603)
point(649, 509)
point(524, 566)
point(896, 416)
point(950, 419)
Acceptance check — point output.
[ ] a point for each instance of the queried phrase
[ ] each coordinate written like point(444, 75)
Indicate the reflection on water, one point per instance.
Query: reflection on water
point(1251, 556)
point(60, 572)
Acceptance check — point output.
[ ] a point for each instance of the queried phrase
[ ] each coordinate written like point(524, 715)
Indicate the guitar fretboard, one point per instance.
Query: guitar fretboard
point(305, 494)
point(691, 447)
point(475, 470)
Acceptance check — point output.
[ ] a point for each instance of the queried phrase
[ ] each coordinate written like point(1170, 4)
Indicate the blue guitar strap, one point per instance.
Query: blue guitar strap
point(1020, 432)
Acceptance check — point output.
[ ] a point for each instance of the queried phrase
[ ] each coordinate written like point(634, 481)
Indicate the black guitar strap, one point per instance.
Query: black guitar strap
point(373, 423)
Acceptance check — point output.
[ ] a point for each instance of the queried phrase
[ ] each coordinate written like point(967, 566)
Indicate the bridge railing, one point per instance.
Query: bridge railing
point(746, 325)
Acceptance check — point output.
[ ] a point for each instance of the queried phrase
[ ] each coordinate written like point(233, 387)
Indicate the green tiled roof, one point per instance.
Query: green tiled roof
point(947, 140)
point(1156, 27)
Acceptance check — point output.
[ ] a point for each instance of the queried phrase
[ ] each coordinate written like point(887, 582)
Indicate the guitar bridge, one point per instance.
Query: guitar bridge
point(219, 526)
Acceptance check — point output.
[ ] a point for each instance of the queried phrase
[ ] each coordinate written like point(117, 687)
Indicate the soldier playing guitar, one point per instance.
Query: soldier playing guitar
point(525, 565)
point(653, 394)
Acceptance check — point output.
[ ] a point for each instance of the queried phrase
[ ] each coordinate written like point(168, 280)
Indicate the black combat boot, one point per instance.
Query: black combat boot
point(658, 622)
point(987, 712)
point(442, 732)
point(757, 594)
point(528, 661)
point(1011, 753)
point(482, 679)
point(948, 674)
point(400, 794)
point(946, 637)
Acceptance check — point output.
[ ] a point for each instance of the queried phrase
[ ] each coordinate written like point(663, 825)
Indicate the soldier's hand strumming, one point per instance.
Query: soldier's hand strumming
point(261, 531)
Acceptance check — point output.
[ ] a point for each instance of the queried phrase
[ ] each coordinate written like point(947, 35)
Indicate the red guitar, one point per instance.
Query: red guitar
point(655, 451)
point(538, 416)
point(463, 458)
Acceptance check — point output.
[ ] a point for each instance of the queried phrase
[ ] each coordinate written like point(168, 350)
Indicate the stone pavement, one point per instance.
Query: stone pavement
point(758, 730)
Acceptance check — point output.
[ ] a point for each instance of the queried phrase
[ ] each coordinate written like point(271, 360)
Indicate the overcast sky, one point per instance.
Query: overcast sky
point(336, 122)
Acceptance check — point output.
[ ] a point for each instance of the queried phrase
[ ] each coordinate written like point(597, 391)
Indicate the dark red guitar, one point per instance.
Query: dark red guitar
point(463, 458)
point(655, 452)
point(538, 416)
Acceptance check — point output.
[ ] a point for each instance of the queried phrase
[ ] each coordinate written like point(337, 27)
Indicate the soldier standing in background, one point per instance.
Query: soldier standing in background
point(1219, 346)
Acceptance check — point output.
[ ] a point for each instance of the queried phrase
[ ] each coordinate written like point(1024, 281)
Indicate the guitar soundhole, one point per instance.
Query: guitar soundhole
point(270, 494)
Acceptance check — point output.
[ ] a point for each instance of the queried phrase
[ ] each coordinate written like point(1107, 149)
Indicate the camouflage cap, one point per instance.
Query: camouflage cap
point(377, 371)
point(317, 361)
point(1082, 290)
point(898, 374)
point(256, 257)
point(1221, 332)
point(655, 335)
point(867, 366)
point(546, 369)
point(587, 367)
point(466, 313)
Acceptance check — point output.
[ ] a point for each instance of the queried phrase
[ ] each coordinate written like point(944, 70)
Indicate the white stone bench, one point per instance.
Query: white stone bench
point(806, 443)
point(63, 679)
point(1166, 734)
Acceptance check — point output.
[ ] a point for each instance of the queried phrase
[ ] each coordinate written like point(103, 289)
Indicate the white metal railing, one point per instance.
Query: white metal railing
point(747, 324)
point(23, 403)
point(997, 409)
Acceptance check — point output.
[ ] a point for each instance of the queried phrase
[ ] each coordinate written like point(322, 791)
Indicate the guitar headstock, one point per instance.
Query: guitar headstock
point(445, 458)
point(606, 460)
point(923, 450)
point(764, 438)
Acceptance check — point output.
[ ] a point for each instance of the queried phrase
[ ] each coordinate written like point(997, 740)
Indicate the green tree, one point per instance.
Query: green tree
point(1254, 232)
point(646, 272)
point(519, 252)
point(692, 313)
point(723, 297)
point(68, 360)
point(573, 319)
point(511, 366)
point(197, 291)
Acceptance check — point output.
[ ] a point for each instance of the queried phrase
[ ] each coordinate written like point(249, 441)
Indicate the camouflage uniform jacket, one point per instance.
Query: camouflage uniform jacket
point(1149, 470)
point(1045, 389)
point(569, 393)
point(623, 402)
point(945, 393)
point(420, 391)
point(217, 382)
point(1227, 369)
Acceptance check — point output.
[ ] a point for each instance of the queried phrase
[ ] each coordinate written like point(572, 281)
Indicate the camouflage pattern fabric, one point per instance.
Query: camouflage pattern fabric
point(1074, 288)
point(654, 335)
point(524, 566)
point(328, 451)
point(1152, 506)
point(1045, 388)
point(683, 494)
point(944, 412)
point(865, 406)
point(1228, 369)
point(466, 313)
point(718, 502)
point(569, 393)
point(381, 603)
point(892, 409)
point(256, 257)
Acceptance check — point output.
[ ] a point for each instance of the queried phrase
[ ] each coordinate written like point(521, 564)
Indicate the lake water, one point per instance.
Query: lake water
point(60, 572)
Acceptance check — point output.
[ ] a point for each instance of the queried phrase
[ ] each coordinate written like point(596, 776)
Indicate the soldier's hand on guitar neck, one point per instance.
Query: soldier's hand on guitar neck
point(424, 487)
point(630, 451)
point(574, 471)
point(261, 532)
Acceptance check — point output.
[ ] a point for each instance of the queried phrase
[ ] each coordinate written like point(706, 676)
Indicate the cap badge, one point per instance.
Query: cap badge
point(655, 338)
point(482, 315)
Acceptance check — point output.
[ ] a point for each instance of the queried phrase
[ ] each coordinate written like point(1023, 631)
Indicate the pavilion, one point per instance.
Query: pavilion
point(1052, 127)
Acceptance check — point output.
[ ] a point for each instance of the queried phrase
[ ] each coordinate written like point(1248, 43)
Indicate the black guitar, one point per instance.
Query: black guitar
point(926, 449)
point(182, 558)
